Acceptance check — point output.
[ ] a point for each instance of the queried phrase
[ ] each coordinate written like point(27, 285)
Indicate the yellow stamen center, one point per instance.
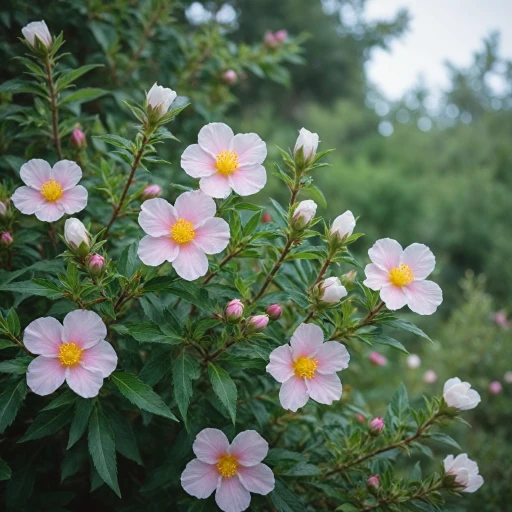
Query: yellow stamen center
point(227, 162)
point(402, 275)
point(183, 231)
point(227, 466)
point(70, 354)
point(305, 367)
point(51, 191)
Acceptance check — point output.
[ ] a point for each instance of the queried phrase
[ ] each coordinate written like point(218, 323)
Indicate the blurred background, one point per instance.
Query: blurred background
point(416, 97)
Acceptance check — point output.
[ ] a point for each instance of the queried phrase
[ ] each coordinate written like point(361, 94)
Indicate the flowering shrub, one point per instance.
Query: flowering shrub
point(211, 326)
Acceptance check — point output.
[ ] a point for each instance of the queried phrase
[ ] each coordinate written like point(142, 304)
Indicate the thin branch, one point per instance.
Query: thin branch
point(54, 107)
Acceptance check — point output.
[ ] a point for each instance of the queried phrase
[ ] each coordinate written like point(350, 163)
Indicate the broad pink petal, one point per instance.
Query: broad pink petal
point(210, 445)
point(324, 389)
point(197, 162)
point(216, 185)
point(27, 200)
point(43, 336)
point(248, 179)
point(293, 394)
point(306, 340)
point(74, 200)
point(231, 495)
point(249, 448)
point(196, 207)
point(83, 382)
point(475, 482)
point(393, 296)
point(281, 363)
point(157, 216)
point(258, 479)
point(213, 236)
point(386, 253)
point(199, 479)
point(420, 260)
point(376, 278)
point(153, 251)
point(423, 297)
point(67, 174)
point(35, 172)
point(50, 212)
point(332, 357)
point(191, 262)
point(85, 328)
point(215, 137)
point(45, 375)
point(100, 358)
point(249, 148)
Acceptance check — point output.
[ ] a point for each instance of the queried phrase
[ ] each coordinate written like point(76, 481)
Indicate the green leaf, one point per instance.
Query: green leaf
point(10, 401)
point(83, 411)
point(444, 438)
point(6, 344)
point(83, 95)
point(398, 408)
point(390, 342)
point(146, 333)
point(224, 388)
point(404, 325)
point(102, 448)
point(16, 366)
point(141, 395)
point(126, 443)
point(71, 76)
point(115, 140)
point(47, 423)
point(285, 500)
point(5, 471)
point(67, 398)
point(13, 322)
point(128, 261)
point(184, 371)
point(40, 287)
point(156, 368)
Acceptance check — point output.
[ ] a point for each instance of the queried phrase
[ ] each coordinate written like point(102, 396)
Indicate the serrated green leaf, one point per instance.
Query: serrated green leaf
point(69, 77)
point(83, 95)
point(83, 409)
point(47, 423)
point(16, 366)
point(404, 325)
point(224, 388)
point(5, 470)
point(66, 398)
point(10, 402)
point(184, 371)
point(115, 140)
point(40, 287)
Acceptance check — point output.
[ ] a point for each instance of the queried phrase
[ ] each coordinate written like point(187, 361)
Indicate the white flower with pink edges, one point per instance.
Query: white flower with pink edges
point(400, 276)
point(182, 234)
point(307, 368)
point(76, 353)
point(224, 161)
point(232, 470)
point(50, 192)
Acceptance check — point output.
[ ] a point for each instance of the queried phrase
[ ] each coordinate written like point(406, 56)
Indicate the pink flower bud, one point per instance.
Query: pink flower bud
point(270, 40)
point(304, 213)
point(373, 481)
point(430, 377)
point(257, 323)
point(6, 238)
point(376, 426)
point(78, 138)
point(151, 191)
point(331, 290)
point(360, 418)
point(230, 76)
point(266, 218)
point(281, 35)
point(3, 209)
point(349, 277)
point(96, 264)
point(495, 387)
point(274, 311)
point(377, 359)
point(234, 311)
point(501, 319)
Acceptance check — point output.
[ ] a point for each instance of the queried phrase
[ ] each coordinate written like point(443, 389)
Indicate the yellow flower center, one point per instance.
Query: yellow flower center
point(70, 354)
point(227, 162)
point(183, 231)
point(402, 275)
point(305, 367)
point(51, 191)
point(227, 466)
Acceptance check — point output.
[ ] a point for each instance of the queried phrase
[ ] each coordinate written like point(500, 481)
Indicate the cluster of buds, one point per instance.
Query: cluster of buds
point(275, 39)
point(6, 239)
point(230, 77)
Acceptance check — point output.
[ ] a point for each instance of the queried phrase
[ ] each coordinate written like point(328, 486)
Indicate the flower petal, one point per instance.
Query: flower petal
point(191, 262)
point(249, 148)
point(423, 297)
point(74, 199)
point(43, 336)
point(45, 375)
point(232, 496)
point(210, 445)
point(27, 200)
point(157, 216)
point(216, 185)
point(281, 363)
point(248, 179)
point(293, 394)
point(259, 479)
point(215, 137)
point(197, 163)
point(324, 389)
point(393, 296)
point(475, 482)
point(306, 340)
point(249, 448)
point(386, 253)
point(376, 278)
point(66, 173)
point(100, 358)
point(85, 328)
point(84, 383)
point(196, 207)
point(153, 251)
point(420, 259)
point(199, 479)
point(332, 357)
point(35, 172)
point(213, 236)
point(50, 212)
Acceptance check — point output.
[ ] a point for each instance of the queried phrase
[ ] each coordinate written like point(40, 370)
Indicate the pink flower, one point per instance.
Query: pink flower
point(257, 323)
point(400, 276)
point(234, 310)
point(376, 425)
point(230, 76)
point(281, 35)
point(465, 471)
point(96, 264)
point(151, 191)
point(274, 311)
point(307, 368)
point(373, 481)
point(76, 353)
point(6, 238)
point(225, 161)
point(430, 376)
point(232, 470)
point(495, 387)
point(50, 193)
point(377, 359)
point(182, 234)
point(501, 319)
point(78, 138)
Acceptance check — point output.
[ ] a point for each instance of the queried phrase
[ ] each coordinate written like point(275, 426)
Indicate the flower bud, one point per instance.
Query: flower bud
point(96, 264)
point(304, 213)
point(151, 191)
point(377, 359)
point(508, 377)
point(501, 319)
point(78, 138)
point(331, 290)
point(343, 226)
point(349, 277)
point(376, 426)
point(281, 35)
point(459, 394)
point(270, 40)
point(75, 233)
point(257, 323)
point(230, 76)
point(360, 418)
point(373, 482)
point(266, 218)
point(3, 209)
point(159, 99)
point(430, 376)
point(6, 239)
point(234, 311)
point(413, 361)
point(495, 387)
point(37, 29)
point(274, 311)
point(308, 141)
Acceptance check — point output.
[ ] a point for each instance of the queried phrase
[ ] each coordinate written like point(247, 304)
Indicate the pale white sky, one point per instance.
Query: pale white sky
point(440, 30)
